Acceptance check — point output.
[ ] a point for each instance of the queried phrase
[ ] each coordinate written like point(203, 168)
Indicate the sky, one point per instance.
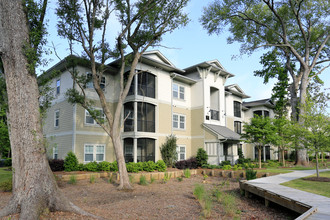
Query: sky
point(189, 46)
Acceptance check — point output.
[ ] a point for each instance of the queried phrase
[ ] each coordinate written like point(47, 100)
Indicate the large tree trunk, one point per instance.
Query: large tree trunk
point(124, 183)
point(34, 186)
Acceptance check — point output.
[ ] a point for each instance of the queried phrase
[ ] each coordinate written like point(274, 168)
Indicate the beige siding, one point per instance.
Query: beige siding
point(196, 144)
point(63, 143)
point(164, 122)
point(65, 120)
point(81, 140)
point(196, 122)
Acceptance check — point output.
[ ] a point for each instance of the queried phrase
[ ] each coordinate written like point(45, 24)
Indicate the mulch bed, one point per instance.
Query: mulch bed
point(318, 179)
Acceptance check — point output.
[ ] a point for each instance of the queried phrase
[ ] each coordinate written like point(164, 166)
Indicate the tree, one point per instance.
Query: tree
point(34, 186)
point(298, 30)
point(169, 151)
point(315, 129)
point(260, 131)
point(143, 23)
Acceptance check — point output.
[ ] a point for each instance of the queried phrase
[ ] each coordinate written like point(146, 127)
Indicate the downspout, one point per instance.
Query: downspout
point(172, 75)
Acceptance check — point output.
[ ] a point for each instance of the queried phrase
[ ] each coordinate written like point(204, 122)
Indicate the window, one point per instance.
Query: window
point(90, 120)
point(145, 117)
point(260, 113)
point(238, 127)
point(55, 152)
point(146, 84)
point(179, 121)
point(58, 86)
point(181, 152)
point(129, 116)
point(90, 85)
point(178, 91)
point(94, 152)
point(57, 118)
point(211, 148)
point(128, 150)
point(237, 109)
point(145, 149)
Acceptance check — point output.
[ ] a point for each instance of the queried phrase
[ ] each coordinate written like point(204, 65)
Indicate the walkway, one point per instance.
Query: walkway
point(318, 206)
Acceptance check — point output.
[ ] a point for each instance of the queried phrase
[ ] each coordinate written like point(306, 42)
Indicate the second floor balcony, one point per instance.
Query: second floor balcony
point(214, 114)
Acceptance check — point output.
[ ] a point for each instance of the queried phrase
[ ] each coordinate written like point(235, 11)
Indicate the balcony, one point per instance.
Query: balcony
point(214, 114)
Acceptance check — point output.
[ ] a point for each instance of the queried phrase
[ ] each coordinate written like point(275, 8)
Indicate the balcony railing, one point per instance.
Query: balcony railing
point(214, 114)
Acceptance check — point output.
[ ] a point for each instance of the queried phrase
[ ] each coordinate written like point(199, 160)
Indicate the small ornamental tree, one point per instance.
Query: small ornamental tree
point(71, 162)
point(201, 157)
point(260, 131)
point(168, 151)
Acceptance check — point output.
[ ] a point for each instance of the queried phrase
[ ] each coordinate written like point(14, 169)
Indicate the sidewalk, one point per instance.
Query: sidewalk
point(272, 184)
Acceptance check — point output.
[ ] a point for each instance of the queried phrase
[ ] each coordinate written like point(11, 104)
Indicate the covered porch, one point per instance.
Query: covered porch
point(225, 148)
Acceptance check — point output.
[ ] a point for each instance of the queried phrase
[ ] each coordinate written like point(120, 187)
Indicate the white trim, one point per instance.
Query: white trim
point(57, 118)
point(55, 150)
point(178, 150)
point(94, 122)
point(179, 86)
point(58, 91)
point(94, 152)
point(179, 121)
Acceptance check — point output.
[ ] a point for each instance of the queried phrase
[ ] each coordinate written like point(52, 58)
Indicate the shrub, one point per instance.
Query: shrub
point(168, 151)
point(56, 164)
point(167, 177)
point(187, 173)
point(227, 167)
point(225, 162)
point(103, 166)
point(199, 191)
point(92, 179)
point(201, 157)
point(114, 167)
point(161, 166)
point(152, 179)
point(250, 174)
point(132, 167)
point(149, 166)
point(81, 167)
point(71, 162)
point(91, 166)
point(187, 164)
point(6, 186)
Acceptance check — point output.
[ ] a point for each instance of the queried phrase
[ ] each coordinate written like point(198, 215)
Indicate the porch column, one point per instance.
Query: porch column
point(135, 150)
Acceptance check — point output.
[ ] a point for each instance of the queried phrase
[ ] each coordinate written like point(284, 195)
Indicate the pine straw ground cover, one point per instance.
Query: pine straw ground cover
point(171, 200)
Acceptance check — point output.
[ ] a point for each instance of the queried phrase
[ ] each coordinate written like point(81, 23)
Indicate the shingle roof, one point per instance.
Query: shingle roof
point(266, 102)
point(223, 131)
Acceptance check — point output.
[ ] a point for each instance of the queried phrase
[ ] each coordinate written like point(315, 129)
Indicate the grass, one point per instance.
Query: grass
point(4, 174)
point(320, 188)
point(187, 173)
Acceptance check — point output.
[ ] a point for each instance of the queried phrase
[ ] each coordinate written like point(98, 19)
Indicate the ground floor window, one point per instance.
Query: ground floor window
point(264, 156)
point(211, 148)
point(55, 152)
point(181, 152)
point(128, 149)
point(94, 152)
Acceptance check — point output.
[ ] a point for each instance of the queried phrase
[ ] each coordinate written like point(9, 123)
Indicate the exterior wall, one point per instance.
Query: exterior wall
point(230, 118)
point(63, 144)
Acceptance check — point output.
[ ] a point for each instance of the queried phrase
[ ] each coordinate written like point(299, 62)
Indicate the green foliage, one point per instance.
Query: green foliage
point(168, 151)
point(152, 180)
point(73, 180)
point(161, 166)
point(103, 166)
point(224, 162)
point(131, 178)
point(226, 167)
point(167, 177)
point(199, 191)
point(187, 173)
point(91, 166)
point(6, 186)
point(201, 157)
point(80, 167)
point(114, 167)
point(149, 166)
point(250, 174)
point(92, 179)
point(71, 162)
point(143, 180)
point(180, 178)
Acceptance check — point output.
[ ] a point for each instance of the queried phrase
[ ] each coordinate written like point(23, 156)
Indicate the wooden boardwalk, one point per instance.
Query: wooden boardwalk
point(310, 205)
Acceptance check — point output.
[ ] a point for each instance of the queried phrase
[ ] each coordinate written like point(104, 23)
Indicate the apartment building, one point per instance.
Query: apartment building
point(194, 104)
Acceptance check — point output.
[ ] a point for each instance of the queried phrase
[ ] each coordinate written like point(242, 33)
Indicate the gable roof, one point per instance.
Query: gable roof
point(236, 90)
point(214, 65)
point(223, 132)
point(262, 102)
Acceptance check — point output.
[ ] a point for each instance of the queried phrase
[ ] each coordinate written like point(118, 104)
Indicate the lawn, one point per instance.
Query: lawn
point(4, 174)
point(320, 188)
